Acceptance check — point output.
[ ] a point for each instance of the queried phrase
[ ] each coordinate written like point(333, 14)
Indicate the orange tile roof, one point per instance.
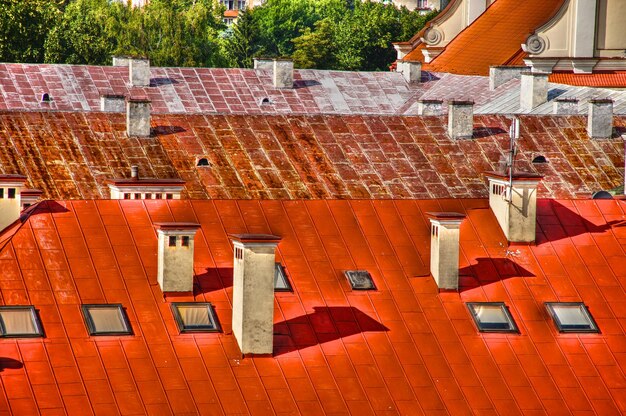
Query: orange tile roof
point(494, 38)
point(72, 155)
point(606, 79)
point(402, 349)
point(231, 13)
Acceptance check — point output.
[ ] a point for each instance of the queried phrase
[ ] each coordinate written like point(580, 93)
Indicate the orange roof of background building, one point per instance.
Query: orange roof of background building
point(494, 38)
point(602, 79)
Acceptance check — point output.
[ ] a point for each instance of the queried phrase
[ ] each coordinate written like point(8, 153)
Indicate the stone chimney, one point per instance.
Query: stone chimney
point(134, 172)
point(429, 107)
point(175, 256)
point(410, 70)
point(515, 207)
point(533, 90)
point(120, 60)
point(565, 106)
point(460, 119)
point(499, 75)
point(139, 72)
point(283, 73)
point(112, 103)
point(138, 117)
point(600, 119)
point(253, 292)
point(10, 199)
point(444, 248)
point(264, 64)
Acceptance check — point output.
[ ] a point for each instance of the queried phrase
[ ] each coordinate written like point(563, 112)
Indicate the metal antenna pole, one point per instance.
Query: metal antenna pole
point(513, 136)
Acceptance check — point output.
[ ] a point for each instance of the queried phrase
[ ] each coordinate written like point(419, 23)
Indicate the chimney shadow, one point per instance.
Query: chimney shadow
point(10, 363)
point(488, 270)
point(166, 130)
point(325, 324)
point(155, 82)
point(304, 83)
point(480, 132)
point(555, 93)
point(570, 223)
point(213, 279)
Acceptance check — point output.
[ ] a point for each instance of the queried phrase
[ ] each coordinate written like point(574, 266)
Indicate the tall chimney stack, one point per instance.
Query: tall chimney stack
point(253, 292)
point(533, 90)
point(460, 119)
point(175, 256)
point(138, 117)
point(283, 73)
point(600, 119)
point(10, 199)
point(410, 70)
point(444, 248)
point(139, 72)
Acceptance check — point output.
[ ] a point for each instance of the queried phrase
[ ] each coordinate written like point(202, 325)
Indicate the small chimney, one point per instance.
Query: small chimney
point(264, 64)
point(112, 103)
point(460, 119)
point(10, 199)
point(444, 248)
point(499, 75)
point(410, 70)
point(283, 73)
point(139, 72)
point(120, 60)
point(533, 90)
point(429, 107)
point(175, 256)
point(138, 118)
point(513, 201)
point(134, 172)
point(565, 106)
point(600, 119)
point(253, 292)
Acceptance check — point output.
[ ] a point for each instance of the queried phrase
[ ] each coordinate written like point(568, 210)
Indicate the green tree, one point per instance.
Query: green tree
point(316, 49)
point(24, 26)
point(242, 41)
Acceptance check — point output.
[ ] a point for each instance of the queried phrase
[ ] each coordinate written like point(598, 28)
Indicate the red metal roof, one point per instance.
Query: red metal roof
point(606, 79)
point(72, 155)
point(494, 38)
point(403, 349)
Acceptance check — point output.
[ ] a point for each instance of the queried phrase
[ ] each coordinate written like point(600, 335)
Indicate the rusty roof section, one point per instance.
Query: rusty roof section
point(494, 38)
point(404, 348)
point(72, 155)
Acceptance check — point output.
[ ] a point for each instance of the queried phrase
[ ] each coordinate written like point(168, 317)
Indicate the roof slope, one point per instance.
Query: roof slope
point(202, 90)
point(494, 38)
point(71, 155)
point(605, 79)
point(404, 348)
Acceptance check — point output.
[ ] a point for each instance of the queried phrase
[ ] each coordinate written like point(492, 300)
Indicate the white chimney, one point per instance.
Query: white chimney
point(138, 118)
point(513, 201)
point(120, 60)
point(429, 107)
point(460, 119)
point(134, 172)
point(565, 106)
point(499, 75)
point(264, 64)
point(139, 72)
point(253, 292)
point(410, 70)
point(10, 199)
point(600, 119)
point(283, 73)
point(175, 256)
point(112, 103)
point(533, 90)
point(444, 248)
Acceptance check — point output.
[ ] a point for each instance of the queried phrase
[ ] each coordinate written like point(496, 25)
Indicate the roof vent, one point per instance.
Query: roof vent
point(265, 101)
point(203, 162)
point(540, 159)
point(134, 172)
point(360, 280)
point(601, 195)
point(45, 98)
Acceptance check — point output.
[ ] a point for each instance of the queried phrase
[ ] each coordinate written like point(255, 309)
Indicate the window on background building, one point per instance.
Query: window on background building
point(241, 4)
point(492, 317)
point(422, 4)
point(195, 317)
point(229, 4)
point(19, 322)
point(571, 317)
point(106, 319)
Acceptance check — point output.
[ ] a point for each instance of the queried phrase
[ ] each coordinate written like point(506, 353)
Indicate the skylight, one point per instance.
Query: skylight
point(19, 322)
point(492, 317)
point(571, 317)
point(106, 319)
point(281, 283)
point(195, 317)
point(360, 280)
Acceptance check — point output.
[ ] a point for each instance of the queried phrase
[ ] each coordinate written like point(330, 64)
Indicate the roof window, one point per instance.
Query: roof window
point(540, 159)
point(195, 317)
point(492, 317)
point(19, 322)
point(360, 280)
point(281, 283)
point(106, 319)
point(571, 317)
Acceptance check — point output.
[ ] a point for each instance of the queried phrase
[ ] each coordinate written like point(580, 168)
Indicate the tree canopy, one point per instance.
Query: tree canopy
point(325, 34)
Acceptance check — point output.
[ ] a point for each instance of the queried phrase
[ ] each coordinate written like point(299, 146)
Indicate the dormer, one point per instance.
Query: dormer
point(145, 188)
point(10, 199)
